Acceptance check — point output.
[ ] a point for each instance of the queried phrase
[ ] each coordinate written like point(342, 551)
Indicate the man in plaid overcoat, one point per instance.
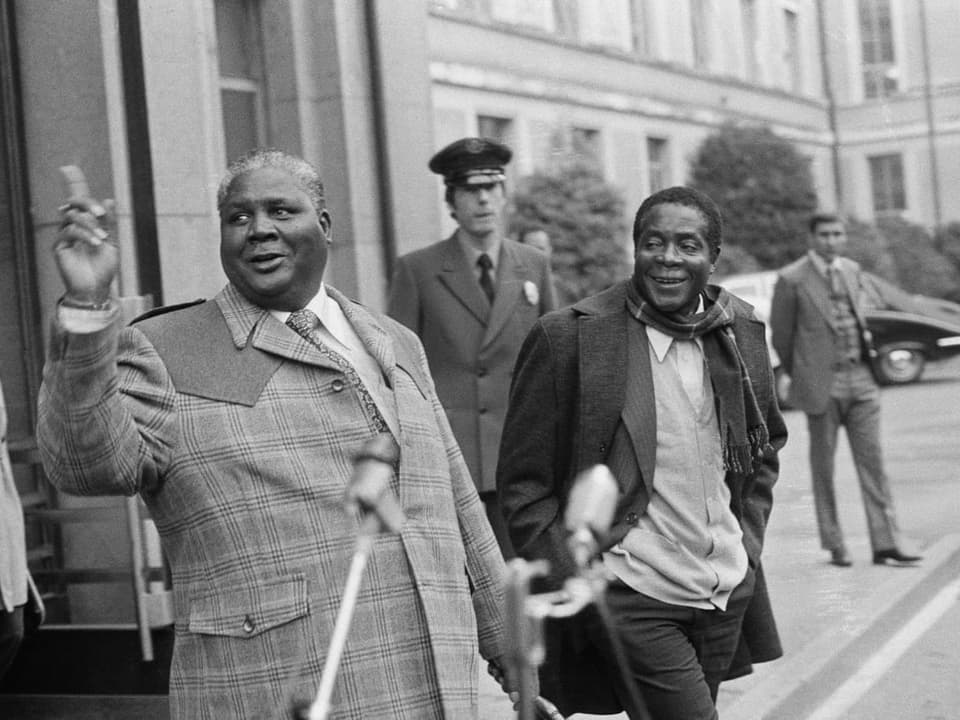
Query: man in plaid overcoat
point(239, 434)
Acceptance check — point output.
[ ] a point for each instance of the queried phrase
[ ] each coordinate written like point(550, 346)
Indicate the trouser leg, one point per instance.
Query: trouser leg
point(676, 656)
point(822, 430)
point(11, 633)
point(863, 432)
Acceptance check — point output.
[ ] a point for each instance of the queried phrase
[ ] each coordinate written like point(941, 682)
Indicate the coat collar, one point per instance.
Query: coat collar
point(814, 284)
point(458, 276)
point(251, 324)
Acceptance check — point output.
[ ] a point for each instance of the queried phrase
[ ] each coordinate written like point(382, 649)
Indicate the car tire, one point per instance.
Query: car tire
point(898, 365)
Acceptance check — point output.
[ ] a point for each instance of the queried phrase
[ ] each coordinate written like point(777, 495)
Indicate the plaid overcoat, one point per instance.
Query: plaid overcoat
point(242, 454)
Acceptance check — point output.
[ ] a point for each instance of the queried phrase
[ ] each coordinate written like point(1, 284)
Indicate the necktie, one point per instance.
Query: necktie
point(833, 280)
point(486, 277)
point(306, 324)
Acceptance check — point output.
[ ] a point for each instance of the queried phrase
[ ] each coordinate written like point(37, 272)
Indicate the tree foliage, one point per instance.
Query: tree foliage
point(764, 188)
point(584, 217)
point(905, 254)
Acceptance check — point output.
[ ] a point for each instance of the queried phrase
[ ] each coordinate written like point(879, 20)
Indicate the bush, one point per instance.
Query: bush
point(764, 188)
point(921, 267)
point(584, 217)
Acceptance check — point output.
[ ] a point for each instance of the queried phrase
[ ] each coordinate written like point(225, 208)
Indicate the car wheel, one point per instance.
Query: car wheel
point(899, 365)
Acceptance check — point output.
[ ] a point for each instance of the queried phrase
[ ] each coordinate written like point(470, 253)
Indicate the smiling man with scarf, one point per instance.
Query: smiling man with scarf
point(666, 380)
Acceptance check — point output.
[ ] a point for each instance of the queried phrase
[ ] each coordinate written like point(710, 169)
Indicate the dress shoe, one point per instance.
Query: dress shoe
point(841, 558)
point(880, 557)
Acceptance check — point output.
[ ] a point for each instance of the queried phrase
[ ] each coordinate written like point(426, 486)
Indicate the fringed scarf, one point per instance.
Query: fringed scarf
point(743, 432)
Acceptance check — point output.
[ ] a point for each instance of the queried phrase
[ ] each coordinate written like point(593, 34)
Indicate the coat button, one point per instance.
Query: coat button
point(481, 372)
point(632, 518)
point(481, 410)
point(337, 385)
point(248, 625)
point(603, 448)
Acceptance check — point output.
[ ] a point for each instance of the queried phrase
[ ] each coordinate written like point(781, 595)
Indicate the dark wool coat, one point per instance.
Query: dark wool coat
point(565, 403)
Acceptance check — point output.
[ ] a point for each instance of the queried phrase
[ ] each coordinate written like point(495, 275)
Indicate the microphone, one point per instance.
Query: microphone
point(369, 488)
point(589, 513)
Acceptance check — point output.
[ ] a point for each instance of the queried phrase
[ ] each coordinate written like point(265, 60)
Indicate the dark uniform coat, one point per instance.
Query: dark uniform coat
point(471, 347)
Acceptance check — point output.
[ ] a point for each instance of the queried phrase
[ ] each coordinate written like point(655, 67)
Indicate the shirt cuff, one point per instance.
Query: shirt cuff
point(84, 321)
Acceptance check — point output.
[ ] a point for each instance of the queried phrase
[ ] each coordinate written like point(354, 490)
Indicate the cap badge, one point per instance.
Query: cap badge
point(474, 146)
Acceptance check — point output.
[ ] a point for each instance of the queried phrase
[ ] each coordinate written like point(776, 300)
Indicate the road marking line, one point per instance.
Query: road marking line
point(835, 706)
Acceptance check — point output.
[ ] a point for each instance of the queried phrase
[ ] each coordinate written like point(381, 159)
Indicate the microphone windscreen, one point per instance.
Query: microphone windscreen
point(592, 502)
point(370, 485)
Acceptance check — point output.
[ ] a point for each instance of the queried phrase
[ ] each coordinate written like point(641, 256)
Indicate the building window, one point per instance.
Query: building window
point(748, 23)
point(495, 128)
point(585, 145)
point(539, 14)
point(607, 24)
point(658, 163)
point(239, 50)
point(876, 35)
point(886, 179)
point(791, 51)
point(699, 29)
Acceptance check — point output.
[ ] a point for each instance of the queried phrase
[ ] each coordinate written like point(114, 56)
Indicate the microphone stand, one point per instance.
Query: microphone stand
point(526, 614)
point(369, 529)
point(368, 493)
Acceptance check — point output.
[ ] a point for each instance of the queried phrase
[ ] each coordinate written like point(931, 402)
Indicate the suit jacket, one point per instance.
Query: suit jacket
point(13, 552)
point(471, 346)
point(803, 333)
point(239, 437)
point(565, 404)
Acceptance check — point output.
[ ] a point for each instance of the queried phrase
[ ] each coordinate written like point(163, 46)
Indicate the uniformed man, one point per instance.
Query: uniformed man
point(472, 298)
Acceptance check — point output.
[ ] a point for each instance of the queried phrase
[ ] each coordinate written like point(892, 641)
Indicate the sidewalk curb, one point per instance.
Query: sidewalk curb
point(801, 681)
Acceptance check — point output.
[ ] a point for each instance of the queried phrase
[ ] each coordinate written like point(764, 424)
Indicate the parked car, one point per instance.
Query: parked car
point(921, 329)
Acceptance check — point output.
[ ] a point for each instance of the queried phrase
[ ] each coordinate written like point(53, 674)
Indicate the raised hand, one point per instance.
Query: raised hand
point(86, 255)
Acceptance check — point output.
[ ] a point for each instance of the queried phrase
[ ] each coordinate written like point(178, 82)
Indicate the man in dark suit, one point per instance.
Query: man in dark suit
point(237, 421)
point(667, 381)
point(819, 332)
point(472, 298)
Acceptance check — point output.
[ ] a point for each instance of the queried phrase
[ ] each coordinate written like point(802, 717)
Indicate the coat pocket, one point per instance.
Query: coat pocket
point(245, 611)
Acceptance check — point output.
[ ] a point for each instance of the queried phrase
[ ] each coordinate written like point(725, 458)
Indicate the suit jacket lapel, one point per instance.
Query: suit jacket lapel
point(457, 275)
point(640, 407)
point(603, 380)
point(376, 342)
point(511, 274)
point(816, 287)
point(374, 338)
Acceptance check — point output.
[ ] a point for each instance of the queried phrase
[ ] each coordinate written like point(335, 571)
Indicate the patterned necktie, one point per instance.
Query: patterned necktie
point(486, 277)
point(306, 324)
point(834, 281)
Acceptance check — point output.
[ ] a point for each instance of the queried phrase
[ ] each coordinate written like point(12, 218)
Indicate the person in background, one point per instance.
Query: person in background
point(666, 379)
point(471, 299)
point(13, 555)
point(237, 421)
point(538, 238)
point(819, 332)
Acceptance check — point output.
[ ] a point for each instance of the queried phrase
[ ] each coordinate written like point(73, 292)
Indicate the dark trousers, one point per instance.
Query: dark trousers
point(498, 523)
point(676, 656)
point(11, 633)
